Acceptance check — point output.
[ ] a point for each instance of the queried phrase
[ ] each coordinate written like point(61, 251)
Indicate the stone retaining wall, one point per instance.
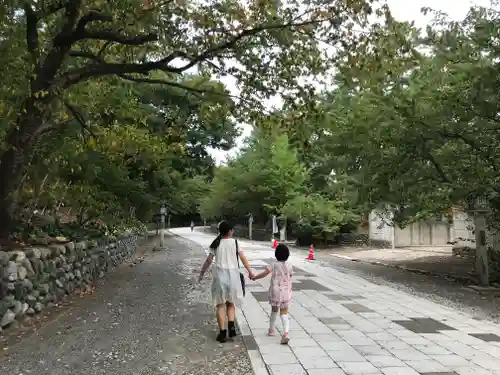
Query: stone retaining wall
point(353, 239)
point(464, 252)
point(380, 244)
point(361, 240)
point(34, 278)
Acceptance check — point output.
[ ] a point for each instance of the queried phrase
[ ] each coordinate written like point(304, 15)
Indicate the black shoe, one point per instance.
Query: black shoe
point(232, 329)
point(222, 336)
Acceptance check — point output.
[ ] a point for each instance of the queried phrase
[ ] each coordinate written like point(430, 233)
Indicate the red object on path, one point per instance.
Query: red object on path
point(311, 253)
point(275, 244)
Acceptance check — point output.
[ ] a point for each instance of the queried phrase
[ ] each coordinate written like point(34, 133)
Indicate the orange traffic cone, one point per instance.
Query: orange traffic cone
point(275, 244)
point(311, 253)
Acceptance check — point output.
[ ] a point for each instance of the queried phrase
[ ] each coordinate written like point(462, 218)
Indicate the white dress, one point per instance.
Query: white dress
point(226, 282)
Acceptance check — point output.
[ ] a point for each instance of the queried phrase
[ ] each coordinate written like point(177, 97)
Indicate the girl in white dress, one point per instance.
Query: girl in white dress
point(227, 288)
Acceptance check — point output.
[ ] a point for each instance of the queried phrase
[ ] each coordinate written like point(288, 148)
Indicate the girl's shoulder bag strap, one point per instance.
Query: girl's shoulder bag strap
point(237, 252)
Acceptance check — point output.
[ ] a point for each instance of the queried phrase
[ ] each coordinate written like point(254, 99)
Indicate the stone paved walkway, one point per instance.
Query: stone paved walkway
point(342, 324)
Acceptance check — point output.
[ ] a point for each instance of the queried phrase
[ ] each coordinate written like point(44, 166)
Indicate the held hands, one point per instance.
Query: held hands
point(251, 275)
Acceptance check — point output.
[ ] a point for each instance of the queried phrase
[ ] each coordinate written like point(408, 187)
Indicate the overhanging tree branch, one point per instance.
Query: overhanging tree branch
point(110, 36)
point(210, 52)
point(79, 118)
point(86, 55)
point(66, 40)
point(181, 86)
point(104, 69)
point(92, 16)
point(32, 32)
point(55, 57)
point(484, 151)
point(52, 7)
point(97, 70)
point(103, 49)
point(79, 32)
point(410, 114)
point(432, 159)
point(153, 81)
point(32, 40)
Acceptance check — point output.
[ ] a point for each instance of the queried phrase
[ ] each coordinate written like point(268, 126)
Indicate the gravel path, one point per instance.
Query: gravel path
point(146, 319)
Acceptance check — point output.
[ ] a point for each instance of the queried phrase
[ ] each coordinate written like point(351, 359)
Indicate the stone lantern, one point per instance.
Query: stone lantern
point(478, 205)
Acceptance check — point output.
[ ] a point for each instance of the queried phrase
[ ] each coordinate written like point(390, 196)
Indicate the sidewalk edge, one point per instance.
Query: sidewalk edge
point(258, 365)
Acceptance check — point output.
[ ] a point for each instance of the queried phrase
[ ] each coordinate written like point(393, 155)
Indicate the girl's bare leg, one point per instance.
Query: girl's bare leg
point(221, 316)
point(230, 311)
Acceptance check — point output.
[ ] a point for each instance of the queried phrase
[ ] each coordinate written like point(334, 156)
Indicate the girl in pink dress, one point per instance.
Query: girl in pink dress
point(280, 290)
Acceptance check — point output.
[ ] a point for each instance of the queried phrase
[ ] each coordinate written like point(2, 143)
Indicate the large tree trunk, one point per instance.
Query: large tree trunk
point(25, 132)
point(8, 175)
point(11, 169)
point(13, 163)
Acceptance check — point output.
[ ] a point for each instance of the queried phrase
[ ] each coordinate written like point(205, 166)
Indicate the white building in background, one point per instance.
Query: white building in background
point(463, 230)
point(431, 233)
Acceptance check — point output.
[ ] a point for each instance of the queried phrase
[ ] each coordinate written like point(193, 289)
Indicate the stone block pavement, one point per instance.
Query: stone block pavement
point(342, 324)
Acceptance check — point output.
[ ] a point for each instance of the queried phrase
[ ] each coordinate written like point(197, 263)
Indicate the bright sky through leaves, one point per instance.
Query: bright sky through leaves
point(402, 10)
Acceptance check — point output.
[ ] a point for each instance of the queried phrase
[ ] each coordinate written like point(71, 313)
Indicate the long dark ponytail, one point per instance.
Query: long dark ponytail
point(215, 243)
point(224, 228)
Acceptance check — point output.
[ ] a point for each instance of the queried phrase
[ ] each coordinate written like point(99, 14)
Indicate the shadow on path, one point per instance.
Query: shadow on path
point(438, 289)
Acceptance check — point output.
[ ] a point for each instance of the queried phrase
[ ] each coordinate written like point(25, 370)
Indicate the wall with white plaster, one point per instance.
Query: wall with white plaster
point(381, 228)
point(463, 230)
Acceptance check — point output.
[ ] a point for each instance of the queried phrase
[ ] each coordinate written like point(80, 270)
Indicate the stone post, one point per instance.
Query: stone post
point(163, 213)
point(250, 224)
point(481, 265)
point(283, 231)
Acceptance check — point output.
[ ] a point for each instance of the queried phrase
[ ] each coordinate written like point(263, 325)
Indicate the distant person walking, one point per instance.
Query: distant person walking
point(228, 283)
point(192, 226)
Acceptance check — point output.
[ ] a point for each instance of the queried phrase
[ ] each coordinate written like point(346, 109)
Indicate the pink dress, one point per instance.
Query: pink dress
point(280, 290)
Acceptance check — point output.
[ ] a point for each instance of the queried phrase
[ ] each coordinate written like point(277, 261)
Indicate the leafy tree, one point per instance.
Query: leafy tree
point(197, 121)
point(219, 201)
point(189, 194)
point(110, 162)
point(413, 119)
point(316, 215)
point(267, 178)
point(259, 181)
point(56, 48)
